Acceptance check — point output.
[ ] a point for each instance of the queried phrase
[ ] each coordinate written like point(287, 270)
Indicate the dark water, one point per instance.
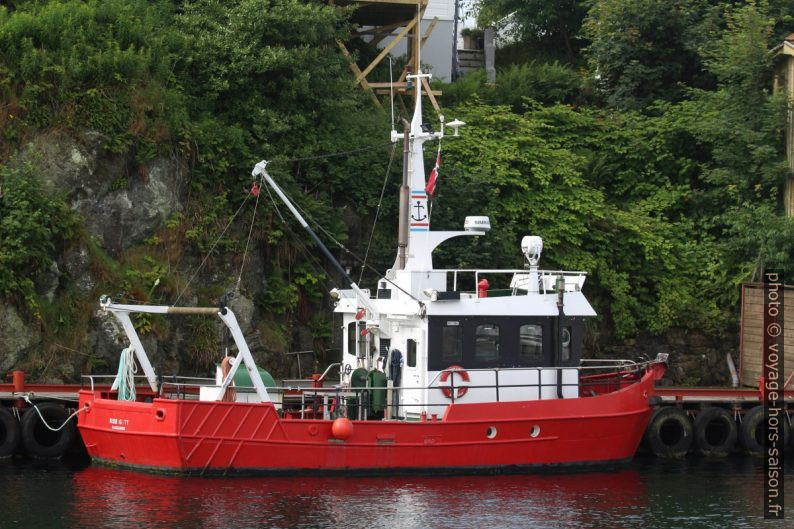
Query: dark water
point(695, 493)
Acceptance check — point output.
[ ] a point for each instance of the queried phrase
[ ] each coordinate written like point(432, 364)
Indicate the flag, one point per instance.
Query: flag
point(430, 188)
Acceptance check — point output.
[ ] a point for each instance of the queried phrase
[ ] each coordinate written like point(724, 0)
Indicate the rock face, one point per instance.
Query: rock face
point(121, 203)
point(17, 338)
point(243, 309)
point(76, 264)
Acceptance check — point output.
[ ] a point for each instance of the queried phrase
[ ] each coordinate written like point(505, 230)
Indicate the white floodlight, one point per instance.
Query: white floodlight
point(531, 247)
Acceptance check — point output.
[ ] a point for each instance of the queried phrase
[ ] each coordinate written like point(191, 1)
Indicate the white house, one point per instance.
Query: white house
point(437, 51)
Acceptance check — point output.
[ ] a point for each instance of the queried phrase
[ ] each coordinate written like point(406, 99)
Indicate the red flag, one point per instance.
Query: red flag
point(430, 188)
point(255, 189)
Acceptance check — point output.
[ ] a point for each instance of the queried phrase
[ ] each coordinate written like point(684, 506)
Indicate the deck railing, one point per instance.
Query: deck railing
point(513, 281)
point(303, 401)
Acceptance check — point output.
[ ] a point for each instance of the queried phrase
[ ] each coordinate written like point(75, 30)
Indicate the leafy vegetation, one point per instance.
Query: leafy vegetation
point(104, 66)
point(677, 173)
point(34, 225)
point(639, 138)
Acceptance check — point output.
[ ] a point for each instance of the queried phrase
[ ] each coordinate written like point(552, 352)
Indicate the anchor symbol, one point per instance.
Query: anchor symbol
point(419, 212)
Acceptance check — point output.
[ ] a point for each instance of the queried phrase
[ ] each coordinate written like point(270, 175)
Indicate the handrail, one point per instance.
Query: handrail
point(327, 369)
point(187, 387)
point(91, 378)
point(181, 380)
point(612, 360)
point(478, 271)
point(430, 386)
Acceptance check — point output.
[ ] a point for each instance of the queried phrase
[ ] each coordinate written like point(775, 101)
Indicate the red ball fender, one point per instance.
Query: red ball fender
point(342, 428)
point(448, 372)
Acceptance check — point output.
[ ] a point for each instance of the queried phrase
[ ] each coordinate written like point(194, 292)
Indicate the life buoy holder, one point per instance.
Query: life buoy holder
point(446, 374)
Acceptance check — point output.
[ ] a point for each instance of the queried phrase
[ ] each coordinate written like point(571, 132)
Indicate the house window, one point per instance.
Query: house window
point(451, 343)
point(531, 343)
point(486, 345)
point(411, 346)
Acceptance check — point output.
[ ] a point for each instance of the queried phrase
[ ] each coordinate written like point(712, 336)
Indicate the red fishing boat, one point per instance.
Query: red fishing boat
point(457, 371)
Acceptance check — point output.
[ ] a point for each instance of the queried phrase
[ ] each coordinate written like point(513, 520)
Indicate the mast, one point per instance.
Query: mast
point(414, 218)
point(405, 204)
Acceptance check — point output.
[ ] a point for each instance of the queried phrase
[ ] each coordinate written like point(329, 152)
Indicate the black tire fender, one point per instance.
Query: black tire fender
point(9, 433)
point(751, 431)
point(41, 442)
point(669, 433)
point(715, 432)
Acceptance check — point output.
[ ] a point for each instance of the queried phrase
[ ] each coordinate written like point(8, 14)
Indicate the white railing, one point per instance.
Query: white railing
point(520, 280)
point(335, 400)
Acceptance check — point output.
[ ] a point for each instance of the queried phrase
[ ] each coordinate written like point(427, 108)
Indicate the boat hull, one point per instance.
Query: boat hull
point(207, 437)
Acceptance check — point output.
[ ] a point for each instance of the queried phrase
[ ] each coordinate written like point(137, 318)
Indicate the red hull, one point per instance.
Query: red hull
point(190, 436)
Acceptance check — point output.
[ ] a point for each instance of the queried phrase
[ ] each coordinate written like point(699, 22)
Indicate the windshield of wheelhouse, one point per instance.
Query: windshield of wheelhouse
point(480, 342)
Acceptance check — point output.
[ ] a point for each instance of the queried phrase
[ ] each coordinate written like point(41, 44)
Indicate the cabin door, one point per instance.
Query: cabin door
point(412, 347)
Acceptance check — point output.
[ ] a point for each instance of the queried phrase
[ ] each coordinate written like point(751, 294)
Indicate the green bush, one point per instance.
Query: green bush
point(34, 224)
point(516, 84)
point(101, 65)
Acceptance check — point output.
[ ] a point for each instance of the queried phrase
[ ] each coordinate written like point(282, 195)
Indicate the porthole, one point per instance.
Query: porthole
point(535, 431)
point(491, 433)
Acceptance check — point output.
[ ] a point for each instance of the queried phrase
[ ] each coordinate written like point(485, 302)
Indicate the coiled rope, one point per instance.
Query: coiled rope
point(126, 374)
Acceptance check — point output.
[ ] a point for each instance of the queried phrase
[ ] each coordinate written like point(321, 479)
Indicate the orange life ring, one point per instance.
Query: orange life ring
point(464, 376)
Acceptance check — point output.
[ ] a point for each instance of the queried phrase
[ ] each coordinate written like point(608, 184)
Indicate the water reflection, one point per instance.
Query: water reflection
point(694, 493)
point(124, 499)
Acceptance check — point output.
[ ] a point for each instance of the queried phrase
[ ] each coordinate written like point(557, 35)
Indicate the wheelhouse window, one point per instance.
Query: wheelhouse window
point(486, 343)
point(451, 343)
point(411, 346)
point(531, 343)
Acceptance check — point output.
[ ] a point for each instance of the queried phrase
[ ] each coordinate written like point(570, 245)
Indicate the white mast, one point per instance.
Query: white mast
point(421, 241)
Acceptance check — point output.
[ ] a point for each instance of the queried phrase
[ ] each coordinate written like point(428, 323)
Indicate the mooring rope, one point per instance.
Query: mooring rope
point(44, 422)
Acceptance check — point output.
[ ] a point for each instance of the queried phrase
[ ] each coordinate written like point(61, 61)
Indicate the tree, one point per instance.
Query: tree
point(544, 28)
point(533, 173)
point(643, 50)
point(737, 200)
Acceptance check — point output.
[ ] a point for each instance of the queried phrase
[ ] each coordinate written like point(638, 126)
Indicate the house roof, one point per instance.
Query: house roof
point(784, 48)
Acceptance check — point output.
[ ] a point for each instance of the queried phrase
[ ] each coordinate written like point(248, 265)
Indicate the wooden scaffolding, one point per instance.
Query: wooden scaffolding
point(377, 20)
